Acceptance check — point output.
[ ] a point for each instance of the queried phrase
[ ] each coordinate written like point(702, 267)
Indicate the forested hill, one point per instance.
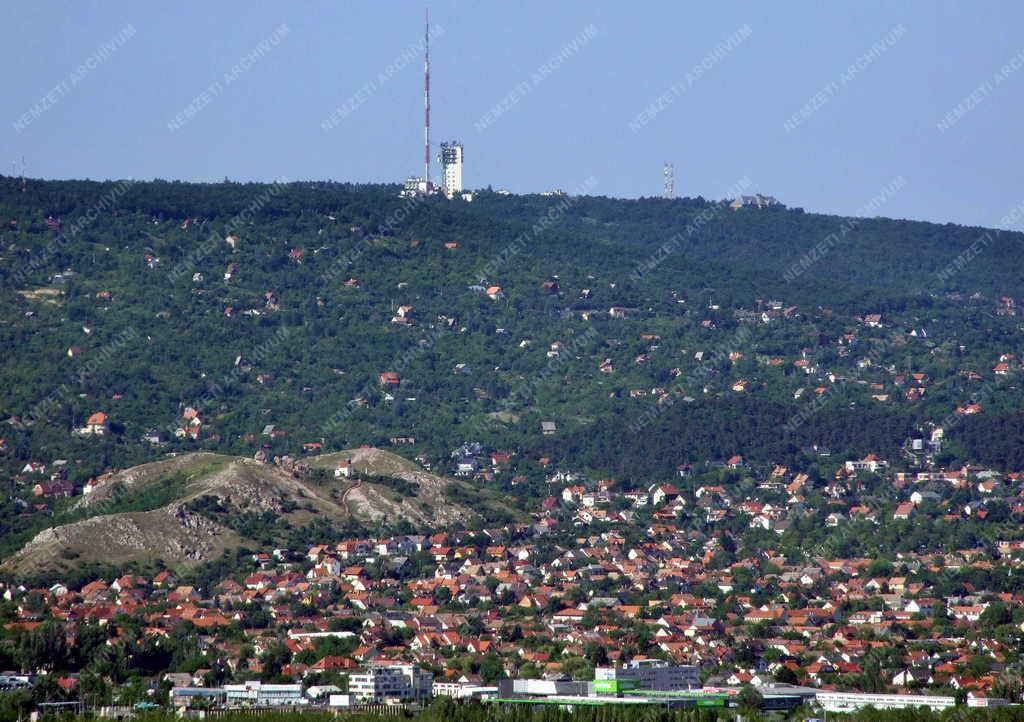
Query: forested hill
point(295, 317)
point(894, 257)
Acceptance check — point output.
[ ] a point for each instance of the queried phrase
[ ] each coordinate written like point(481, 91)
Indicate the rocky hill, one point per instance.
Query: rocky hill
point(189, 509)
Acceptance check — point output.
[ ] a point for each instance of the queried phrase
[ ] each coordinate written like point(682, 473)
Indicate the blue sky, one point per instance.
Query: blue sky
point(563, 124)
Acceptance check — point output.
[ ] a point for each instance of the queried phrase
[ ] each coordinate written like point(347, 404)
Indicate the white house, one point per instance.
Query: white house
point(869, 463)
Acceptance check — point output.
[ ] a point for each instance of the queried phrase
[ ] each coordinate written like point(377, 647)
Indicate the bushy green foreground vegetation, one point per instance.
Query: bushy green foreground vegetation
point(444, 710)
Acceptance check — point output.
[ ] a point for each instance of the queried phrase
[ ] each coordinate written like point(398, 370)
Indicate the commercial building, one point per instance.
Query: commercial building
point(649, 674)
point(463, 690)
point(541, 688)
point(399, 681)
point(852, 701)
point(257, 694)
point(190, 697)
point(575, 701)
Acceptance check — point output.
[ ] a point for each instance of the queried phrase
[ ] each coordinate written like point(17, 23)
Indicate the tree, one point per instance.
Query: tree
point(274, 658)
point(529, 670)
point(512, 633)
point(749, 698)
point(994, 615)
point(491, 669)
point(596, 653)
point(16, 704)
point(134, 691)
point(1007, 686)
point(786, 676)
point(43, 648)
point(978, 665)
point(93, 690)
point(879, 568)
point(871, 678)
point(46, 689)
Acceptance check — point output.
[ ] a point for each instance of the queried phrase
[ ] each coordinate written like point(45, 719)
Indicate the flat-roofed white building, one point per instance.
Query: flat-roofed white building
point(257, 694)
point(850, 701)
point(397, 681)
point(463, 690)
point(451, 165)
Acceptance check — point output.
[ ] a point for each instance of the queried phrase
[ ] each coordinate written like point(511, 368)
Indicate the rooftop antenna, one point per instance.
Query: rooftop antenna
point(426, 104)
point(669, 183)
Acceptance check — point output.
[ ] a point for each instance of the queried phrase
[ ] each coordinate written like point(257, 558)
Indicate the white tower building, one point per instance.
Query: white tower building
point(451, 166)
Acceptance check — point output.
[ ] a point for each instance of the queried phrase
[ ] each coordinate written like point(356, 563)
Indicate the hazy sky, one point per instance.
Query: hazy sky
point(821, 104)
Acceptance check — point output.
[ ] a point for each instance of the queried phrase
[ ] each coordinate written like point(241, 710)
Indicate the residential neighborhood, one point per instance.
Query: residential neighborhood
point(600, 576)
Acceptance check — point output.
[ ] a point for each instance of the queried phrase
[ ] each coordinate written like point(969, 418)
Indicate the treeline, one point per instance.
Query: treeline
point(994, 438)
point(717, 429)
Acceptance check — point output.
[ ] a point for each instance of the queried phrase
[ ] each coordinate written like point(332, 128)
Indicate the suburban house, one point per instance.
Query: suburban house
point(96, 425)
point(870, 463)
point(56, 489)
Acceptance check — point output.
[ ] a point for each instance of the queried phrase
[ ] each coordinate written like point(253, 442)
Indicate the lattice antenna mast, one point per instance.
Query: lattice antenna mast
point(669, 181)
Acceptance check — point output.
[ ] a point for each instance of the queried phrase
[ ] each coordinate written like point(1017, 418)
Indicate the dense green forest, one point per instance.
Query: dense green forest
point(272, 310)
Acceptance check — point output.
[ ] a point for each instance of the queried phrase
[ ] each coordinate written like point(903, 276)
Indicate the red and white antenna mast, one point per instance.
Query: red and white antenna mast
point(426, 104)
